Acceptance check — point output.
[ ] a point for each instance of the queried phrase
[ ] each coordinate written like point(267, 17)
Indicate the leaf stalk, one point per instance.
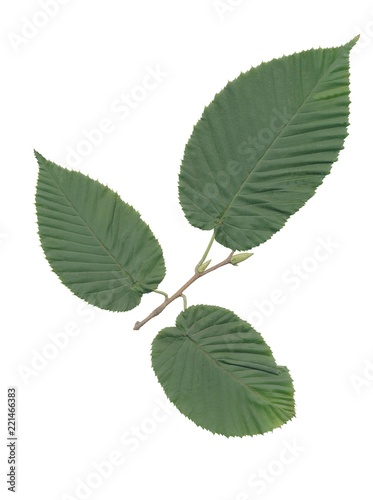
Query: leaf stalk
point(203, 258)
point(181, 290)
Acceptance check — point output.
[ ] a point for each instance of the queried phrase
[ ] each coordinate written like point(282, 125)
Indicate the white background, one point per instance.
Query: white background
point(88, 402)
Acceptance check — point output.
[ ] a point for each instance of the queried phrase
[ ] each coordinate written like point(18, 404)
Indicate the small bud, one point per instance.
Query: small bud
point(203, 266)
point(240, 257)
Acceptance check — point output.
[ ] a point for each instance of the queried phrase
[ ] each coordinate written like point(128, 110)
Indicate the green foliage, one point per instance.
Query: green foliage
point(264, 144)
point(97, 244)
point(258, 153)
point(220, 373)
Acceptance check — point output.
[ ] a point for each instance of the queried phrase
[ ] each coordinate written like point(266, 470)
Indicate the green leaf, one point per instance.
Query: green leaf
point(264, 144)
point(97, 244)
point(220, 373)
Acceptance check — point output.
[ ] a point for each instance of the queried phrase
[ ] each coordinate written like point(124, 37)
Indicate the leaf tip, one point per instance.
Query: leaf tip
point(38, 156)
point(355, 40)
point(349, 45)
point(42, 161)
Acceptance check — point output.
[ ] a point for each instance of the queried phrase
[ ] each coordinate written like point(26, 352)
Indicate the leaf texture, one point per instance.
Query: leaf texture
point(264, 144)
point(97, 244)
point(220, 373)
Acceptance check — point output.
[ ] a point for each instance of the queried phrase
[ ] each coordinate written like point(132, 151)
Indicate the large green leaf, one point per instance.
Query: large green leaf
point(97, 244)
point(264, 144)
point(220, 373)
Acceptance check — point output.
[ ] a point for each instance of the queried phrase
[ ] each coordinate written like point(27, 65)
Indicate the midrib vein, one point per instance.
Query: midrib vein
point(88, 226)
point(277, 137)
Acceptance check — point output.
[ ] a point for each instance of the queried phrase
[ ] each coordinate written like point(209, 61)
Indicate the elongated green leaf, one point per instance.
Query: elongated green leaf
point(264, 144)
point(97, 244)
point(219, 372)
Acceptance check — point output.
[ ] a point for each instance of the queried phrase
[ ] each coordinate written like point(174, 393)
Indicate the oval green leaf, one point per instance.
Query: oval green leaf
point(96, 243)
point(219, 372)
point(264, 144)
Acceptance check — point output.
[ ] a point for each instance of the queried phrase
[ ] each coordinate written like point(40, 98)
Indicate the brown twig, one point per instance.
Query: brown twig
point(179, 293)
